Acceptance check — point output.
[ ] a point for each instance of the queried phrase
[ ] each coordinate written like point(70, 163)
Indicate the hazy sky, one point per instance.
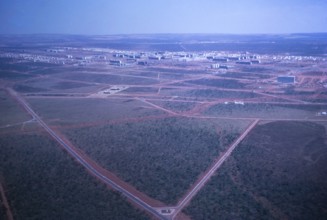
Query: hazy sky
point(162, 16)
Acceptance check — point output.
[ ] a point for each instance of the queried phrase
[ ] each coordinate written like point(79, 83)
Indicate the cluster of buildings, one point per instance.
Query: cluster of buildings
point(34, 57)
point(215, 60)
point(220, 61)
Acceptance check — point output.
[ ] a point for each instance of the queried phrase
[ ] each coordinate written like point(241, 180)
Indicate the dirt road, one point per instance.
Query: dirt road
point(199, 185)
point(5, 203)
point(88, 166)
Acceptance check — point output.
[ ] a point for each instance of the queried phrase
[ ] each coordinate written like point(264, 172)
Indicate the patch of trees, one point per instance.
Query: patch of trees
point(43, 182)
point(274, 172)
point(222, 198)
point(159, 157)
point(280, 161)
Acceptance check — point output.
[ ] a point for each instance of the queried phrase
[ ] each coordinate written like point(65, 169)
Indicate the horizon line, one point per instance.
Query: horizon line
point(164, 33)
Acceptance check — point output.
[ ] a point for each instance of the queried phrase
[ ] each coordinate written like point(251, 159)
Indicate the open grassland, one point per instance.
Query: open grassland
point(161, 158)
point(86, 110)
point(10, 111)
point(266, 111)
point(43, 182)
point(278, 172)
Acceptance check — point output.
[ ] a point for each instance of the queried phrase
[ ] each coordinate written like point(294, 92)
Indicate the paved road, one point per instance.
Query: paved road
point(212, 170)
point(83, 162)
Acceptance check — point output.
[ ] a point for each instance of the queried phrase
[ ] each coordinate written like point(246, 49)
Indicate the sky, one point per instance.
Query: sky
point(102, 17)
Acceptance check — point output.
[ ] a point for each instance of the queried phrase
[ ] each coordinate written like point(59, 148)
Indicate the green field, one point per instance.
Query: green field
point(159, 157)
point(43, 182)
point(278, 172)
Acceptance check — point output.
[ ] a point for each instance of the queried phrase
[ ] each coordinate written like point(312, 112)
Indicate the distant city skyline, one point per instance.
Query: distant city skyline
point(101, 17)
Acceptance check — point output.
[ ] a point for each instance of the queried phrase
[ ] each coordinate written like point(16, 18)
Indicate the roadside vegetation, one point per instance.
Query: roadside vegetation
point(278, 172)
point(43, 182)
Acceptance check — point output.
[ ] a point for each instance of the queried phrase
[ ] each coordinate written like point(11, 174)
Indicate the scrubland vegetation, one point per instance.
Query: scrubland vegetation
point(278, 172)
point(159, 157)
point(43, 182)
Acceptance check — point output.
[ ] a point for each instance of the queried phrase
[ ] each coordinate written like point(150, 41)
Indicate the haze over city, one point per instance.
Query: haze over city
point(170, 16)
